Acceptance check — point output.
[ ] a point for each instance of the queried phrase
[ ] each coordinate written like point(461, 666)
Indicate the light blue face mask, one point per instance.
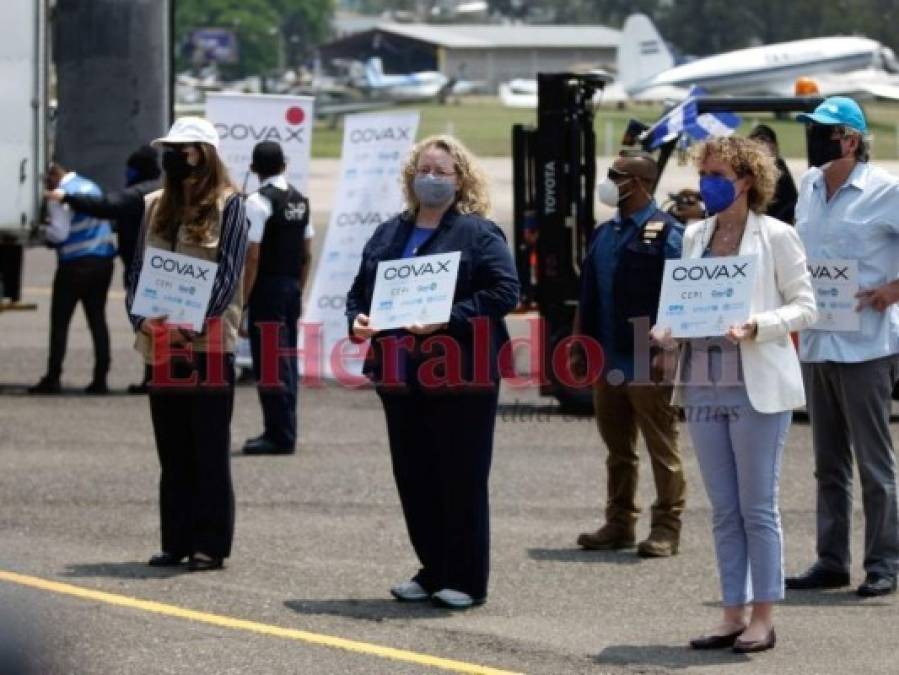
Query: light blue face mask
point(718, 193)
point(432, 191)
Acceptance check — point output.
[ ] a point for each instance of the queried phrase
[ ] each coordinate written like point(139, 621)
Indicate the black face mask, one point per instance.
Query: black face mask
point(175, 165)
point(821, 147)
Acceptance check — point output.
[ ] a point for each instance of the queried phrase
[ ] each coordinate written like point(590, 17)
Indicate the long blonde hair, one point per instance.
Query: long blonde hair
point(472, 196)
point(193, 204)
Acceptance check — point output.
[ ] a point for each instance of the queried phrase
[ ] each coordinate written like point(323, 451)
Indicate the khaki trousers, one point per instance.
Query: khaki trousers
point(620, 411)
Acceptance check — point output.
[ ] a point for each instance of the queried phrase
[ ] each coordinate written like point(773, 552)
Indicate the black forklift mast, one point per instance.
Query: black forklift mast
point(554, 176)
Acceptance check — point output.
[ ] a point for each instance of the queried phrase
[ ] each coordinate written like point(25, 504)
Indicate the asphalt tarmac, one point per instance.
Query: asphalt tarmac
point(320, 539)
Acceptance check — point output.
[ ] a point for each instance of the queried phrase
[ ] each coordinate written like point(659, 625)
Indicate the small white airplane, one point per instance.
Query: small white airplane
point(419, 86)
point(852, 66)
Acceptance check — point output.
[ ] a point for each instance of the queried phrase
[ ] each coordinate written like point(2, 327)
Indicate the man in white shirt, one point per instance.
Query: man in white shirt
point(848, 209)
point(276, 272)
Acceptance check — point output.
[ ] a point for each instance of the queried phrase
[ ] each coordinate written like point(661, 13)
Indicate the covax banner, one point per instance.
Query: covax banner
point(243, 120)
point(703, 297)
point(375, 147)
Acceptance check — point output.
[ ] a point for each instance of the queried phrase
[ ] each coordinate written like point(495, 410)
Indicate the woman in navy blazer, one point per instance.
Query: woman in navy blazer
point(439, 384)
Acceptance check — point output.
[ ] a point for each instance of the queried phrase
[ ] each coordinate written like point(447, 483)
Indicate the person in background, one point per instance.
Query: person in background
point(848, 209)
point(86, 251)
point(620, 285)
point(11, 255)
point(277, 268)
point(783, 205)
point(126, 208)
point(198, 213)
point(738, 393)
point(441, 427)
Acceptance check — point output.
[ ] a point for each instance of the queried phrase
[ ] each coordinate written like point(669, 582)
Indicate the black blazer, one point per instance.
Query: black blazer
point(487, 287)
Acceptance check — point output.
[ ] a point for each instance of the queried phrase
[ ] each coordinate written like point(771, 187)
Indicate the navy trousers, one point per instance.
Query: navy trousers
point(441, 447)
point(192, 425)
point(275, 302)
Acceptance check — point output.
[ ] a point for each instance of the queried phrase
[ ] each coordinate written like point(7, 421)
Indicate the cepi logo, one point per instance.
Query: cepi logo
point(292, 131)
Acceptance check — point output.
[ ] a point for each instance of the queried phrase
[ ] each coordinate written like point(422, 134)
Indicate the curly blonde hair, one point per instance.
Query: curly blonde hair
point(747, 157)
point(472, 196)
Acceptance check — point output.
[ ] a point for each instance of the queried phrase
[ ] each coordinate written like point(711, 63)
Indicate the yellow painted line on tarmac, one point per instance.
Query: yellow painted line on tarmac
point(250, 626)
point(46, 292)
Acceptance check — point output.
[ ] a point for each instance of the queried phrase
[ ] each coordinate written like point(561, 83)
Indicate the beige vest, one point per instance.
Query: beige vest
point(207, 249)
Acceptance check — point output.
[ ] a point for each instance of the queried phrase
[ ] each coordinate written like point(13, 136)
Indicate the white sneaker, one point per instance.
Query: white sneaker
point(454, 599)
point(409, 591)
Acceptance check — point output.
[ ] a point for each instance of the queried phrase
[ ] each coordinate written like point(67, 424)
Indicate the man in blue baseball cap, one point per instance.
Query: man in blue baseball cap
point(847, 216)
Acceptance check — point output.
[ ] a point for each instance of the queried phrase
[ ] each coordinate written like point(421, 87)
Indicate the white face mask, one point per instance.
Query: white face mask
point(608, 192)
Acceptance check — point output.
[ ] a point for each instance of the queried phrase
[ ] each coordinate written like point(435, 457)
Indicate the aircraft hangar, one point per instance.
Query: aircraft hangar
point(486, 53)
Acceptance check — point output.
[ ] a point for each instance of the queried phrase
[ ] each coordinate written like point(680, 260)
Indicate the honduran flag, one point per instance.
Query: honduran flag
point(685, 118)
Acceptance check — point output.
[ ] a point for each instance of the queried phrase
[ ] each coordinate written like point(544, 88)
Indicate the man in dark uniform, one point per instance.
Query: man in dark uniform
point(277, 268)
point(621, 281)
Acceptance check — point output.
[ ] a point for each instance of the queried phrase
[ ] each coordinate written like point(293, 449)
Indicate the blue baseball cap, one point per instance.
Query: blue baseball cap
point(837, 110)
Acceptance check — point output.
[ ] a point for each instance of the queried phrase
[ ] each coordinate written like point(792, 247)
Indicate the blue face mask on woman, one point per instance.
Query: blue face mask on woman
point(717, 192)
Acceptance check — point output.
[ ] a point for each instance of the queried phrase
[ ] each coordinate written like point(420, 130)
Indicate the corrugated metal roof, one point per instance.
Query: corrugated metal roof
point(474, 36)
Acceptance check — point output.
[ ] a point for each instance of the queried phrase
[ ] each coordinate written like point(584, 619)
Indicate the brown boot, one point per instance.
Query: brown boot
point(607, 538)
point(659, 544)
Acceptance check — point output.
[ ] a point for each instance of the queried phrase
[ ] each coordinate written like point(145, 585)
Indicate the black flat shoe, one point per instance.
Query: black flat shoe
point(716, 641)
point(876, 585)
point(263, 446)
point(46, 386)
point(165, 560)
point(97, 388)
point(751, 646)
point(200, 562)
point(817, 577)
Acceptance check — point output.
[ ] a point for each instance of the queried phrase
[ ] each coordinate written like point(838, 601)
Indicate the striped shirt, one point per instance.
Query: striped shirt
point(231, 257)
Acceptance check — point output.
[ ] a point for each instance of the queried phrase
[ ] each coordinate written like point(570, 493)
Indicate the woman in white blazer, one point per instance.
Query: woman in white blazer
point(738, 392)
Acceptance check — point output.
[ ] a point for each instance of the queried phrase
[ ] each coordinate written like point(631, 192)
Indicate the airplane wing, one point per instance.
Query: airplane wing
point(889, 92)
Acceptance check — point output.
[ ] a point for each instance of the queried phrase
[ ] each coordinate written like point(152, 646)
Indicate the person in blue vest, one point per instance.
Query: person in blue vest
point(621, 281)
point(86, 249)
point(277, 268)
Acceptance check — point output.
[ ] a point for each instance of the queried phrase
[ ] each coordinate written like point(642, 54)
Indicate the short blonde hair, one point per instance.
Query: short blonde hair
point(472, 196)
point(747, 157)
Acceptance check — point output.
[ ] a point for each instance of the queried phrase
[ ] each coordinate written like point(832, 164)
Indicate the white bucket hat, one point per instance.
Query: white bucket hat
point(190, 130)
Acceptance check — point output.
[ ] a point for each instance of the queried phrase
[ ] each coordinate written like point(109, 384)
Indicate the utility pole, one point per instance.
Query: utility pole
point(114, 83)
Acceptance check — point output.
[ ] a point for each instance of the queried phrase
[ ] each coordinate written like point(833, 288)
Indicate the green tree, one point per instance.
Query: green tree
point(269, 32)
point(305, 24)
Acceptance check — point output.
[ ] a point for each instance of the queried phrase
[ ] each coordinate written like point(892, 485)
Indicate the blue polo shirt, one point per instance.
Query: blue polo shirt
point(608, 243)
point(860, 221)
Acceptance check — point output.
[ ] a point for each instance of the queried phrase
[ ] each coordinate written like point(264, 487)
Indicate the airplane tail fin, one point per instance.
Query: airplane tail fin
point(374, 71)
point(642, 52)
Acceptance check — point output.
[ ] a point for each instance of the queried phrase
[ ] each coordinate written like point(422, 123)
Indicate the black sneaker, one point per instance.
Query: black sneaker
point(877, 584)
point(47, 385)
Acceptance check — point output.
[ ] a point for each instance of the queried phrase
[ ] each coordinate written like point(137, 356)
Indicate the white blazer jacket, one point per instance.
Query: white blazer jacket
point(782, 301)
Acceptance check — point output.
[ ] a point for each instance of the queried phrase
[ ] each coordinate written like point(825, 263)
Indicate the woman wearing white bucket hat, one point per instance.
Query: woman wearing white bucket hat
point(198, 213)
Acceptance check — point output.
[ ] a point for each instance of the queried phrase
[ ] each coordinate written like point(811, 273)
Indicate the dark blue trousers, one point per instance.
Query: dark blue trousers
point(441, 446)
point(275, 301)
